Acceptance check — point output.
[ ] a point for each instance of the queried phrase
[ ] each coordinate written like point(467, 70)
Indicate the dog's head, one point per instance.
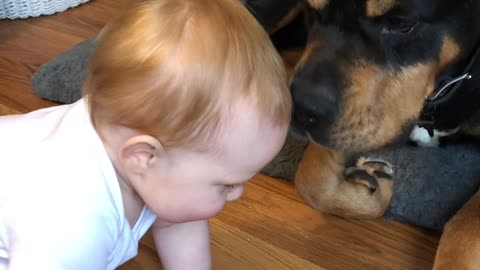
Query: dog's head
point(368, 66)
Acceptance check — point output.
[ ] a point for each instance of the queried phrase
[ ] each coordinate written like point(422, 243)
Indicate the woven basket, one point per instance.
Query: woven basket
point(19, 9)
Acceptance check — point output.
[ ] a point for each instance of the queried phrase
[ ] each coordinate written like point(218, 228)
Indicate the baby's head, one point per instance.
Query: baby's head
point(191, 100)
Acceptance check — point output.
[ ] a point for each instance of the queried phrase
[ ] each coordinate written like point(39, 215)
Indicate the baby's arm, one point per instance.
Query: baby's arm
point(184, 245)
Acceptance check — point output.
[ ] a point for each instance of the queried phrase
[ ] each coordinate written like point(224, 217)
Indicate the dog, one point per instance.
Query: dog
point(363, 73)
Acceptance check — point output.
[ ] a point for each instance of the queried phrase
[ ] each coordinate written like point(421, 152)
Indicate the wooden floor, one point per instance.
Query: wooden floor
point(270, 227)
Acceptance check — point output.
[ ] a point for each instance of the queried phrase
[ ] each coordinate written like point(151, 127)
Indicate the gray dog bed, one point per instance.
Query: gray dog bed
point(60, 80)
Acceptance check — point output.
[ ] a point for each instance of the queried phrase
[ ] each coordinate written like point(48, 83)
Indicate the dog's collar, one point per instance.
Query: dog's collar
point(456, 88)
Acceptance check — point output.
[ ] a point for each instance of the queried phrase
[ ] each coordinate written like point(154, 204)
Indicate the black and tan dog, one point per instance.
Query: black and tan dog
point(363, 72)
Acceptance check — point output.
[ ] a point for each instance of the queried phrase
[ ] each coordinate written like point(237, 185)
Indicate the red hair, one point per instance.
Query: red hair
point(173, 68)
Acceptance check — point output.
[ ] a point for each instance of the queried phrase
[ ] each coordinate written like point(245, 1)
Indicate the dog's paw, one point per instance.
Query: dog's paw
point(369, 173)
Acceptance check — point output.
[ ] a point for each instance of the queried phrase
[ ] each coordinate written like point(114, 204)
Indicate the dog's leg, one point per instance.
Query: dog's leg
point(459, 246)
point(361, 191)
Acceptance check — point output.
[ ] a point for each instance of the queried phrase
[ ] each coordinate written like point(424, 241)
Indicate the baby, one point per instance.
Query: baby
point(185, 100)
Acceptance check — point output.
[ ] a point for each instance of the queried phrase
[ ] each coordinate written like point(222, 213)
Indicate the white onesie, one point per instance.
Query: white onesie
point(60, 201)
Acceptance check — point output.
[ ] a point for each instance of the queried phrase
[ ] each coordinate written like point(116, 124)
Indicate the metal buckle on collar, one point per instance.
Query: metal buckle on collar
point(449, 83)
point(448, 90)
point(427, 119)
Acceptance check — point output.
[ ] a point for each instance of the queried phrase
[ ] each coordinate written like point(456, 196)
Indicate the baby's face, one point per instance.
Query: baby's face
point(195, 186)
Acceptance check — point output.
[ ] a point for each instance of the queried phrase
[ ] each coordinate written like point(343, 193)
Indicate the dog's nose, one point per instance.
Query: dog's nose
point(315, 106)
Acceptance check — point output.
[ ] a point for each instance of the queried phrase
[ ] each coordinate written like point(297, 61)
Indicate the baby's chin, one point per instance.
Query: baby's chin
point(235, 192)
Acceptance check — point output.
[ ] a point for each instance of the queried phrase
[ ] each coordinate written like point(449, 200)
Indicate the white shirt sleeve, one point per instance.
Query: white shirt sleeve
point(3, 264)
point(71, 245)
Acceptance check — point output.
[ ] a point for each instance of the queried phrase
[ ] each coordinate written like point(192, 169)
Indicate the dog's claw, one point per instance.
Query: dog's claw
point(379, 166)
point(368, 173)
point(382, 174)
point(362, 177)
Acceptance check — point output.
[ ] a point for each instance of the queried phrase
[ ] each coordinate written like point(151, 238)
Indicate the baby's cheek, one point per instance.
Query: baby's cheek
point(215, 206)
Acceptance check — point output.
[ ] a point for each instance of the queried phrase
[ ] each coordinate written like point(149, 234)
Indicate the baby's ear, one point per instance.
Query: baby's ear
point(139, 153)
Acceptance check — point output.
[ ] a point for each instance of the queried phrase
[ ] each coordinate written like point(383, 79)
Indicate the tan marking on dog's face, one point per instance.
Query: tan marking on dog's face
point(292, 14)
point(450, 51)
point(378, 104)
point(290, 59)
point(377, 8)
point(307, 53)
point(318, 4)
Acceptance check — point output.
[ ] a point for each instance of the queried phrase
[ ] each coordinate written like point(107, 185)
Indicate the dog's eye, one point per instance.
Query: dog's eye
point(398, 25)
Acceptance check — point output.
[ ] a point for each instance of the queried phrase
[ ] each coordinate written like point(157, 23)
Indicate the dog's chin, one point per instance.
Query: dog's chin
point(318, 136)
point(347, 146)
point(305, 134)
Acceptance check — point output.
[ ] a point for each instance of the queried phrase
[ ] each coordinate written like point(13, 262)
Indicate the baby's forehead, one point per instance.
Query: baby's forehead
point(248, 138)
